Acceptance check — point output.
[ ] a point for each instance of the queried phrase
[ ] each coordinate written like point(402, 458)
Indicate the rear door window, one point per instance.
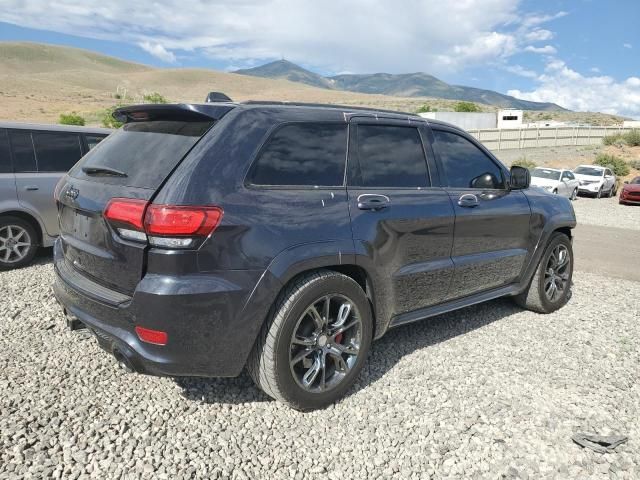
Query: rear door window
point(5, 153)
point(464, 164)
point(56, 151)
point(146, 152)
point(24, 157)
point(390, 156)
point(93, 139)
point(303, 154)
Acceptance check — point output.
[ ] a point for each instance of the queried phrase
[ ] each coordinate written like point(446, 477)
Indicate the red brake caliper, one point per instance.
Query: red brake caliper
point(339, 338)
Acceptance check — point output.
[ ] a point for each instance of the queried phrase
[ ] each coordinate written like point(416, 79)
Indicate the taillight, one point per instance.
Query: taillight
point(168, 226)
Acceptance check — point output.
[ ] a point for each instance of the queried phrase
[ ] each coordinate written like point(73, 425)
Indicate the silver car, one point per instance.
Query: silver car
point(32, 160)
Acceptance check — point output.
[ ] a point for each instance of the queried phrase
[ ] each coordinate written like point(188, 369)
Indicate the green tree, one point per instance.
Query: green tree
point(71, 119)
point(466, 107)
point(154, 97)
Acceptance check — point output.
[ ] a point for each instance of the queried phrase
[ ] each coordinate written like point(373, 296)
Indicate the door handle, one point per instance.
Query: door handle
point(31, 188)
point(373, 202)
point(468, 200)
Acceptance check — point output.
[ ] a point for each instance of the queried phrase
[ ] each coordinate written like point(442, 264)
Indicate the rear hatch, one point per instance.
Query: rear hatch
point(132, 163)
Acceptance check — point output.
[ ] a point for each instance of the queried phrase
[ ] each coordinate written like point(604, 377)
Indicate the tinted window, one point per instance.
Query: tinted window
point(24, 159)
point(93, 140)
point(5, 153)
point(390, 157)
point(570, 175)
point(464, 164)
point(303, 154)
point(145, 151)
point(56, 152)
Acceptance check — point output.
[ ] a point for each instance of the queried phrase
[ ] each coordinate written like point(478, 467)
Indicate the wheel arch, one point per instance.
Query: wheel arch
point(27, 217)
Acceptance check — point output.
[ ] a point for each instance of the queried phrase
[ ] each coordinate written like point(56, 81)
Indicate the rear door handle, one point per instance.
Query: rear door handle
point(368, 201)
point(468, 200)
point(31, 188)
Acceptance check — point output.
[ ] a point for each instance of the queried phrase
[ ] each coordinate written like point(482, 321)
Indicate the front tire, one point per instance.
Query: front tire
point(18, 242)
point(315, 341)
point(574, 194)
point(550, 287)
point(599, 194)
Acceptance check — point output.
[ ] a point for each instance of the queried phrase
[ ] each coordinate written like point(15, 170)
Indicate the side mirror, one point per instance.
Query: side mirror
point(520, 178)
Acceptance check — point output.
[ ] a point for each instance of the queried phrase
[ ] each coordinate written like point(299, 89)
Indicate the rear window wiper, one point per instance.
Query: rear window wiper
point(98, 170)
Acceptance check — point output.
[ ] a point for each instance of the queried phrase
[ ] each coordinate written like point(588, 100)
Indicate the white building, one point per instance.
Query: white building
point(631, 124)
point(509, 118)
point(479, 120)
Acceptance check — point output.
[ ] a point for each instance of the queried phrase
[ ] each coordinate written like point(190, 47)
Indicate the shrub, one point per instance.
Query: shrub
point(616, 164)
point(466, 107)
point(107, 118)
point(425, 108)
point(525, 162)
point(613, 140)
point(154, 97)
point(634, 164)
point(71, 119)
point(632, 138)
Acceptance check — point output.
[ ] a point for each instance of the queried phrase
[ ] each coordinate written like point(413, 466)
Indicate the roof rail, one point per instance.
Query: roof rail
point(217, 97)
point(324, 105)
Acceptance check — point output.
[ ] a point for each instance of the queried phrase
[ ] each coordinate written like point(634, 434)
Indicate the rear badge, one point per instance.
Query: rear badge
point(72, 193)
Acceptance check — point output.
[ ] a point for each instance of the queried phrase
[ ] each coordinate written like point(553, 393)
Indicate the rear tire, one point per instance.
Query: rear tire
point(574, 194)
point(550, 287)
point(18, 242)
point(305, 360)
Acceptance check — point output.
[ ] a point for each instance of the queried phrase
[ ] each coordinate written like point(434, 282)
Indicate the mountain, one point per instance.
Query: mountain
point(399, 85)
point(285, 70)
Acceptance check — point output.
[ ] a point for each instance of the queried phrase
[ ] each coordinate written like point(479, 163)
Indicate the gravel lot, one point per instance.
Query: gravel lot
point(607, 212)
point(486, 392)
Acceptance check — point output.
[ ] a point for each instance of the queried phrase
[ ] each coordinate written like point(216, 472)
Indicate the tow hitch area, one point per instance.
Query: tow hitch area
point(72, 322)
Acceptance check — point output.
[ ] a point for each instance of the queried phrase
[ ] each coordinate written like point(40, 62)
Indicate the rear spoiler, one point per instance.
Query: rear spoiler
point(180, 111)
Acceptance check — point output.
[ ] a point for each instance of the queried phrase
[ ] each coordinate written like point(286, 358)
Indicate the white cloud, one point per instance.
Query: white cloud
point(333, 35)
point(568, 88)
point(546, 50)
point(538, 35)
point(158, 51)
point(595, 69)
point(627, 45)
point(521, 71)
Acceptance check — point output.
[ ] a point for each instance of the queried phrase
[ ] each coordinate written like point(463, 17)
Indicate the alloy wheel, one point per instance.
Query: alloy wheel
point(556, 275)
point(15, 243)
point(325, 343)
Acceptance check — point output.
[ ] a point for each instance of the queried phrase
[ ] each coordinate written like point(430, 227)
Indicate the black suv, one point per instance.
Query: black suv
point(200, 239)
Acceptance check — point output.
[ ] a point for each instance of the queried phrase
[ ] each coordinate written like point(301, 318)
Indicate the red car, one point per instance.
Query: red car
point(630, 193)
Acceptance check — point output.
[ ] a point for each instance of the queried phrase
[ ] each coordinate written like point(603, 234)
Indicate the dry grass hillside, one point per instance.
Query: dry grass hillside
point(38, 82)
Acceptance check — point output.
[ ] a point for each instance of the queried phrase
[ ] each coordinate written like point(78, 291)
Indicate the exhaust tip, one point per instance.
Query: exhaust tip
point(123, 361)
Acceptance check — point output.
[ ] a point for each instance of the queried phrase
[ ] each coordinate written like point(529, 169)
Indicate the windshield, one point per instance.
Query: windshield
point(141, 153)
point(593, 172)
point(545, 173)
point(635, 181)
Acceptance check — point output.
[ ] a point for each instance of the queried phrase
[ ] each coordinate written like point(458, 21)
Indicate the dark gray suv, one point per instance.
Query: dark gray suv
point(202, 239)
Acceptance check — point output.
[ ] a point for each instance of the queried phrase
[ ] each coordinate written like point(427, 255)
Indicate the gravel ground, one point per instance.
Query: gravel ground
point(487, 392)
point(607, 212)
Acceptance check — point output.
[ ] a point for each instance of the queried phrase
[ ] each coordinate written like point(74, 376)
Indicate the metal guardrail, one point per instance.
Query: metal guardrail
point(504, 139)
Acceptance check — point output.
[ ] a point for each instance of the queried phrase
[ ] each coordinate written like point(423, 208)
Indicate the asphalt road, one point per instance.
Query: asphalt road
point(608, 251)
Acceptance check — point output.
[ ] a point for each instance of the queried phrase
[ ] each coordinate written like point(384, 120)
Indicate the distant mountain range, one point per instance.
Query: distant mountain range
point(400, 85)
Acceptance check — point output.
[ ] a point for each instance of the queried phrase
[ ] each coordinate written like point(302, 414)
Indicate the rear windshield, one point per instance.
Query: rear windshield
point(146, 152)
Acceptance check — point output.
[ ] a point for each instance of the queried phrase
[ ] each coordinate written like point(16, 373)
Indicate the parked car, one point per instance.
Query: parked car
point(630, 193)
point(33, 158)
point(596, 181)
point(200, 239)
point(557, 181)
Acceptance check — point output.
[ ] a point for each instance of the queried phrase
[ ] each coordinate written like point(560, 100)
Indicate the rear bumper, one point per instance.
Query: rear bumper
point(211, 319)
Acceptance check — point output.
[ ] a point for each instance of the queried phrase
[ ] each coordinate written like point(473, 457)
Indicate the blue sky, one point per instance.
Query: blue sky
point(582, 54)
